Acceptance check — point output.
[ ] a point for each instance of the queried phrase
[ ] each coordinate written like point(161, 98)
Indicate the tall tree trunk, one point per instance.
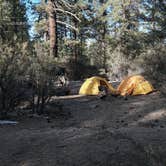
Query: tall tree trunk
point(75, 46)
point(15, 17)
point(33, 98)
point(52, 29)
point(42, 104)
point(3, 111)
point(104, 47)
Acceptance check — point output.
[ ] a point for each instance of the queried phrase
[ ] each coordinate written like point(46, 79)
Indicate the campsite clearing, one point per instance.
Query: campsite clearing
point(90, 132)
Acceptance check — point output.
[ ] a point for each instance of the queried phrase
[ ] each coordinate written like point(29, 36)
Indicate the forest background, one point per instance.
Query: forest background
point(112, 38)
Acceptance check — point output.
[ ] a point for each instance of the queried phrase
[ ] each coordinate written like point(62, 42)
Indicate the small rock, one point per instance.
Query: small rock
point(94, 106)
point(103, 127)
point(139, 116)
point(152, 125)
point(30, 116)
point(122, 121)
point(161, 126)
point(156, 121)
point(126, 124)
point(125, 98)
point(48, 120)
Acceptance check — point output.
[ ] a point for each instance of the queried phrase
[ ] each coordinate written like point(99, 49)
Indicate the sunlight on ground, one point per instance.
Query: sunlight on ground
point(68, 97)
point(154, 115)
point(158, 114)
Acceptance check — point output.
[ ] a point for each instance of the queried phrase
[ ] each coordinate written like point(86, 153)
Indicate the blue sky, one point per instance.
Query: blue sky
point(31, 16)
point(35, 1)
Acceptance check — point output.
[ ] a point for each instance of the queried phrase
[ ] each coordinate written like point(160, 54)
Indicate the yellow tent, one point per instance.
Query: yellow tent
point(135, 85)
point(90, 86)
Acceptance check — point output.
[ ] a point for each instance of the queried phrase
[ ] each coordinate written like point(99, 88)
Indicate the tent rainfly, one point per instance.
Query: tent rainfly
point(135, 85)
point(91, 86)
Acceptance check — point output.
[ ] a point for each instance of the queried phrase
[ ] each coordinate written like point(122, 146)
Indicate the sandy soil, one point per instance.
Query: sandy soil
point(90, 132)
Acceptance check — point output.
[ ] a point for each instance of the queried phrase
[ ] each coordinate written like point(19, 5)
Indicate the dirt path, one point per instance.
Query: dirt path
point(92, 132)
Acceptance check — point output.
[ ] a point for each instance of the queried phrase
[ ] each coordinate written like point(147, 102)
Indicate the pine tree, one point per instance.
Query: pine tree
point(153, 15)
point(54, 11)
point(13, 20)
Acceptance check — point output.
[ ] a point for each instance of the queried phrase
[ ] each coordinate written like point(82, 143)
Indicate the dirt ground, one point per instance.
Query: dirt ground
point(90, 132)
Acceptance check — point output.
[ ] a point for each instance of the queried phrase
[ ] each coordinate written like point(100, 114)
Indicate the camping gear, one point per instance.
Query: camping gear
point(91, 86)
point(135, 85)
point(103, 92)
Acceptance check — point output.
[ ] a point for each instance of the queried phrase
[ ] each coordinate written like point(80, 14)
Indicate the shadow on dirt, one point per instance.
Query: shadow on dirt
point(90, 131)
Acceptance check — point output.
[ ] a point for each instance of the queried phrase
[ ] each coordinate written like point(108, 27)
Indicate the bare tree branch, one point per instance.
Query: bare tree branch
point(67, 5)
point(67, 12)
point(67, 25)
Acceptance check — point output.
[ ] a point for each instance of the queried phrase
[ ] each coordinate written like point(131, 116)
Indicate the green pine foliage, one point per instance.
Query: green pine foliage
point(13, 21)
point(13, 70)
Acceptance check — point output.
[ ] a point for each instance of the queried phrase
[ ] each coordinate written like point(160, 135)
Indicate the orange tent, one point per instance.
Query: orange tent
point(135, 85)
